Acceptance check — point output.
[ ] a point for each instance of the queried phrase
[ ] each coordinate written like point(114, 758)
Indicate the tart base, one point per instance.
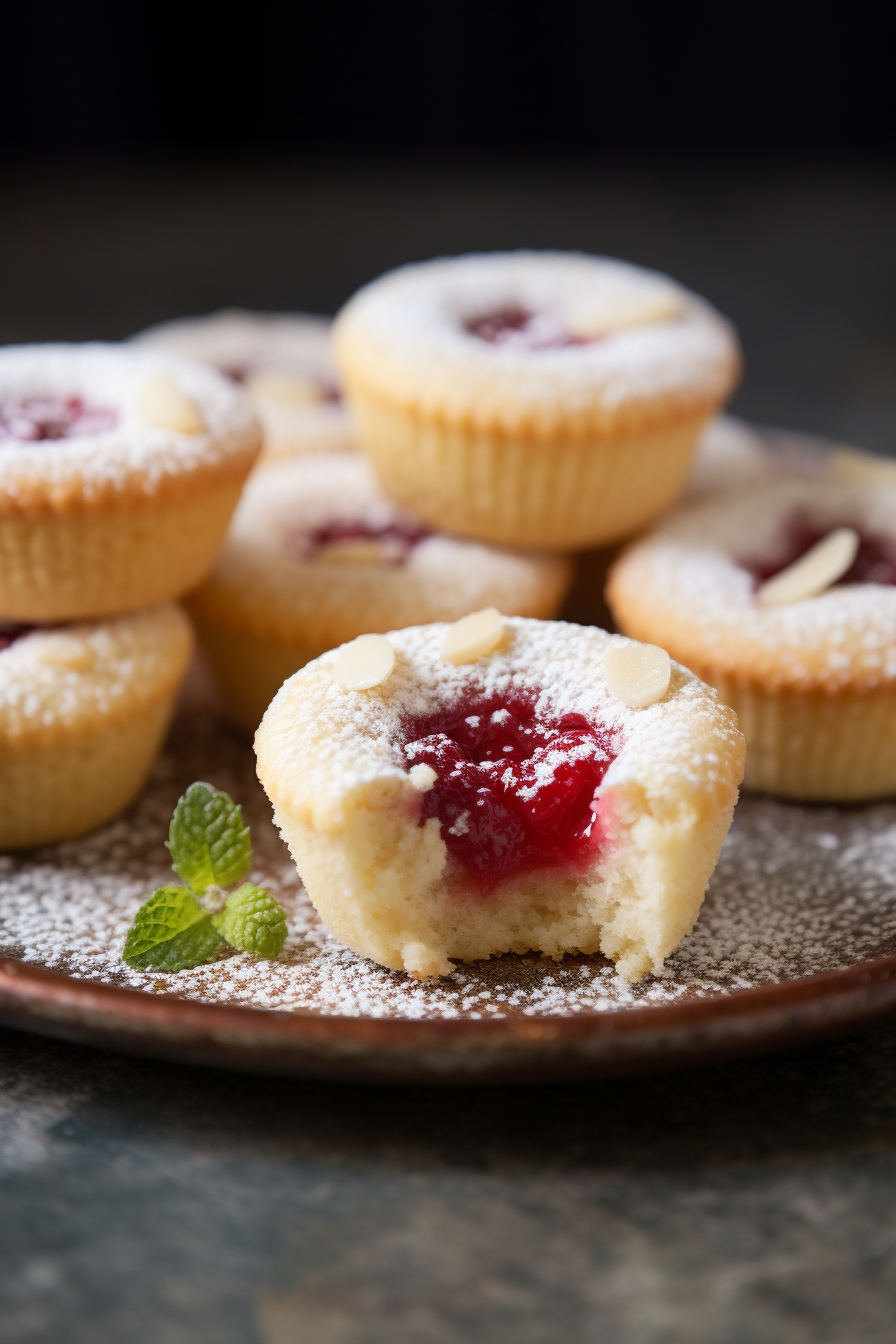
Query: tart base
point(526, 489)
point(248, 668)
point(54, 790)
point(83, 561)
point(813, 746)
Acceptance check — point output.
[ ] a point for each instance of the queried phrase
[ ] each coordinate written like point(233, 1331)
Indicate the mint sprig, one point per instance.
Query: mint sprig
point(173, 931)
point(176, 929)
point(210, 844)
point(252, 921)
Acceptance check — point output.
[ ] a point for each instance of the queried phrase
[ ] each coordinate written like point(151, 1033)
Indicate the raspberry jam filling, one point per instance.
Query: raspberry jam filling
point(10, 631)
point(37, 418)
point(875, 560)
point(515, 788)
point(520, 329)
point(389, 543)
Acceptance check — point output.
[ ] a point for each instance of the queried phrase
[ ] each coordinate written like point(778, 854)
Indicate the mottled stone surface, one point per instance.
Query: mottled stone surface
point(751, 1202)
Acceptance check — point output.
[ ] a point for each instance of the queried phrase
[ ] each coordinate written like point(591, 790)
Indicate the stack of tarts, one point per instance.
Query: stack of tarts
point(119, 470)
point(457, 773)
point(509, 407)
point(473, 784)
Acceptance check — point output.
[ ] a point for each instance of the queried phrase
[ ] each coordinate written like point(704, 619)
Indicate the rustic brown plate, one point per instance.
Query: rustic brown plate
point(796, 941)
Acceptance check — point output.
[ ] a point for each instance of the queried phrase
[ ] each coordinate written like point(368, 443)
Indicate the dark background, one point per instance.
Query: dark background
point(153, 165)
point(160, 160)
point(99, 77)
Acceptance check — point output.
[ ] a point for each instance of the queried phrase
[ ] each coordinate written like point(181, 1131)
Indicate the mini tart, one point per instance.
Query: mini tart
point(317, 554)
point(284, 362)
point(540, 399)
point(83, 710)
point(102, 510)
point(813, 681)
point(405, 870)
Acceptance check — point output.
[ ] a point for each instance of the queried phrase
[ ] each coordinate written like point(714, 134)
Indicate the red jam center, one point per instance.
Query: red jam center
point(395, 540)
point(875, 560)
point(38, 418)
point(10, 631)
point(520, 329)
point(515, 789)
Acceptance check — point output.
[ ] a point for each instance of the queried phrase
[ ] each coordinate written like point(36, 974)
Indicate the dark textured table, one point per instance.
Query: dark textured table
point(150, 1204)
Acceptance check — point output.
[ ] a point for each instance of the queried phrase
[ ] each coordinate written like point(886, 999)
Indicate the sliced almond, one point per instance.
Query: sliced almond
point(288, 389)
point(422, 777)
point(637, 674)
point(474, 636)
point(60, 650)
point(826, 562)
point(850, 464)
point(161, 403)
point(595, 317)
point(364, 663)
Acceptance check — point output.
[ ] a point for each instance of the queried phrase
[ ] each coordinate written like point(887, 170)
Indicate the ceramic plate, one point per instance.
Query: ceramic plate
point(796, 940)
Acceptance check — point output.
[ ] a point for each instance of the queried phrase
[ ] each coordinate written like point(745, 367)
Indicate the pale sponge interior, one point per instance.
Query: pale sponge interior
point(386, 887)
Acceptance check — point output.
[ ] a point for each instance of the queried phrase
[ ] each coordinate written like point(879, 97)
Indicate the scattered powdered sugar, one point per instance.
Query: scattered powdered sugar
point(797, 890)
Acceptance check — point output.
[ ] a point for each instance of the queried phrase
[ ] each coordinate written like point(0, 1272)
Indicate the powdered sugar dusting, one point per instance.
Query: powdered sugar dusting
point(689, 583)
point(317, 743)
point(119, 450)
point(274, 572)
point(797, 890)
point(409, 336)
point(239, 343)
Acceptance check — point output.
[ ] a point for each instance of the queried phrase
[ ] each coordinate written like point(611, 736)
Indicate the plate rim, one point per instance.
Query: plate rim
point(862, 986)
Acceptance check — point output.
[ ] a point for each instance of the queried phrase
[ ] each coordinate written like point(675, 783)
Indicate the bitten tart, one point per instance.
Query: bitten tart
point(283, 360)
point(539, 399)
point(784, 599)
point(317, 554)
point(119, 470)
point(83, 710)
point(501, 785)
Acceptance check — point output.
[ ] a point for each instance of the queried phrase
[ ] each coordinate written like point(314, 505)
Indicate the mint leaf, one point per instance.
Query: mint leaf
point(209, 844)
point(171, 932)
point(252, 921)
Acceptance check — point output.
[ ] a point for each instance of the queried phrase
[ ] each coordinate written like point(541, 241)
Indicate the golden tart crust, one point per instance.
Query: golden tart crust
point(275, 599)
point(567, 445)
point(814, 681)
point(126, 517)
point(83, 710)
point(334, 766)
point(283, 360)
